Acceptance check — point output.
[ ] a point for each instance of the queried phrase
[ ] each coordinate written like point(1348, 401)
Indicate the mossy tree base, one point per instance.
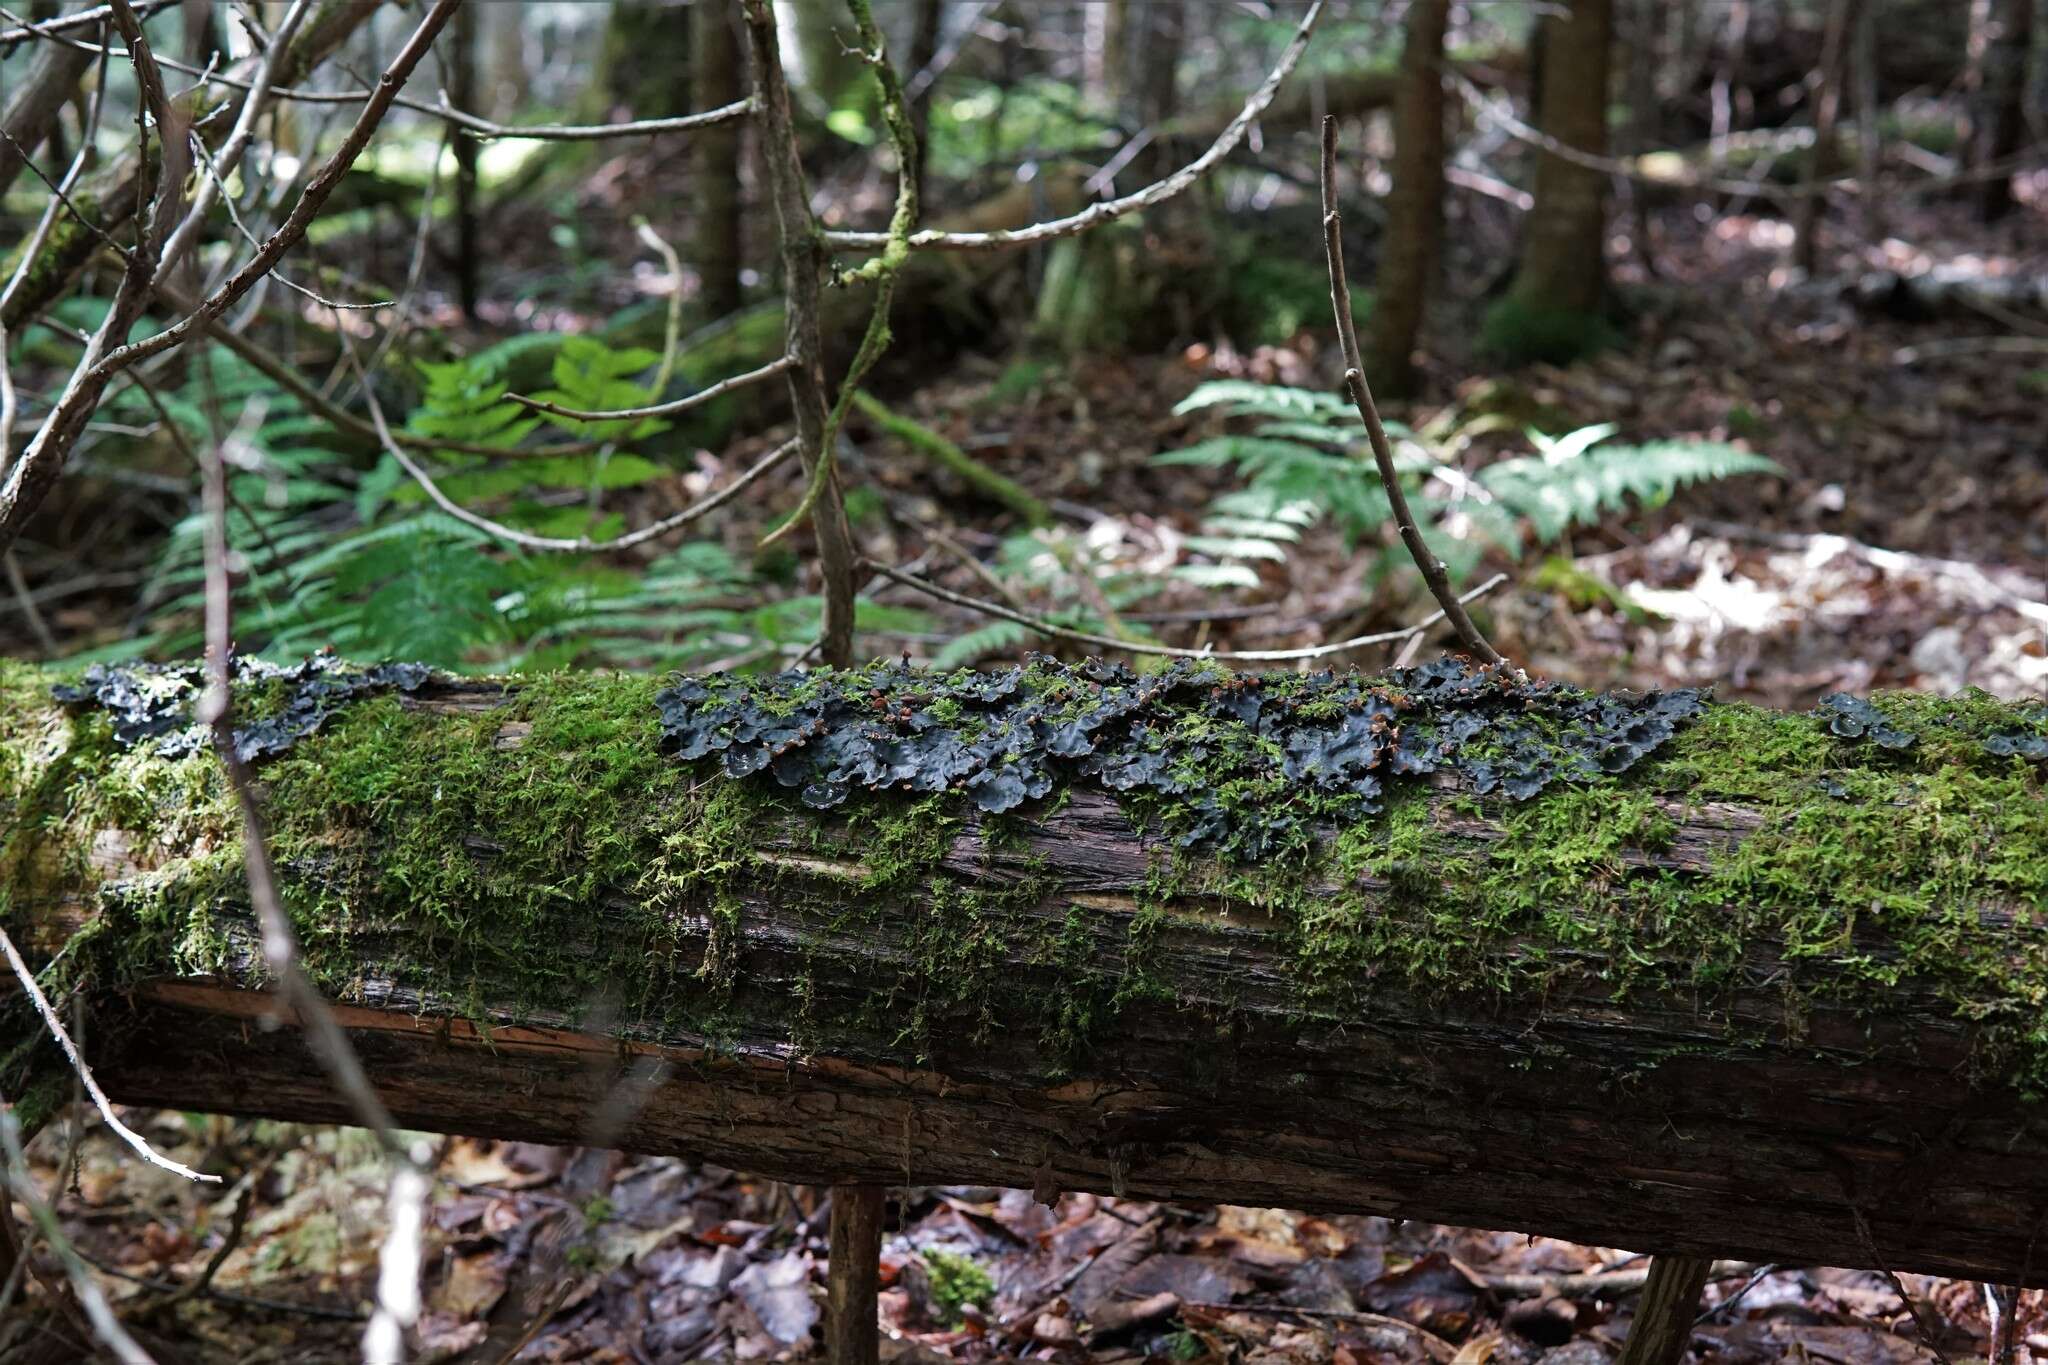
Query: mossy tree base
point(1768, 990)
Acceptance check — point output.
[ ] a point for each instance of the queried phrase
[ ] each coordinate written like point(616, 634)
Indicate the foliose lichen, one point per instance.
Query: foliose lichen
point(1323, 743)
point(157, 701)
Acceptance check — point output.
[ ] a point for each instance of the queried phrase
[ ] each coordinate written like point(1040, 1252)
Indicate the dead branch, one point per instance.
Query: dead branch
point(669, 409)
point(1361, 396)
point(1109, 210)
point(1081, 637)
point(42, 463)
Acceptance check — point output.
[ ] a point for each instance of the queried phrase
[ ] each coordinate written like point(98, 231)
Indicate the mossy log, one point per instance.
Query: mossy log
point(1774, 991)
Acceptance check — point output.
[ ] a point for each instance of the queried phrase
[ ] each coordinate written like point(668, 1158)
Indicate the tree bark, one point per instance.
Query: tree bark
point(1562, 269)
point(1998, 115)
point(1415, 207)
point(31, 112)
point(1661, 1329)
point(716, 67)
point(1063, 998)
point(1827, 103)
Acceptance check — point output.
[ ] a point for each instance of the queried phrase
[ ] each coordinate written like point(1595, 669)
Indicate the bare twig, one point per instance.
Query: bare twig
point(883, 269)
point(482, 128)
point(1361, 396)
point(8, 405)
point(697, 399)
point(1110, 210)
point(23, 598)
point(288, 379)
point(1898, 1285)
point(40, 465)
point(100, 1101)
point(1082, 637)
point(217, 170)
point(527, 540)
point(20, 1185)
point(588, 132)
point(398, 1263)
point(797, 232)
point(85, 18)
point(672, 332)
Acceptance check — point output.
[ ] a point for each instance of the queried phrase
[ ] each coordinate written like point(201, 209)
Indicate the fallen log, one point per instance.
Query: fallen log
point(1657, 972)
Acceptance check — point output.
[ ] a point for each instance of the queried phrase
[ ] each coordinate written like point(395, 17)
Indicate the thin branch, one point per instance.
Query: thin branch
point(9, 405)
point(1109, 210)
point(576, 545)
point(215, 179)
point(482, 128)
point(1631, 168)
point(60, 191)
point(884, 269)
point(20, 1184)
point(85, 18)
point(310, 202)
point(1376, 434)
point(697, 399)
point(25, 601)
point(672, 332)
point(587, 132)
point(100, 1101)
point(266, 363)
point(1081, 637)
point(32, 251)
point(1898, 1285)
point(41, 464)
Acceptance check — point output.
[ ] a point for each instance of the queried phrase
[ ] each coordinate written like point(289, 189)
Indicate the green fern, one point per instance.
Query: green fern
point(359, 561)
point(1307, 461)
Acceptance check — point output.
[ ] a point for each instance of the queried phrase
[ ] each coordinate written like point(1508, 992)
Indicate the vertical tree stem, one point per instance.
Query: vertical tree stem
point(853, 1276)
point(1662, 1327)
point(802, 265)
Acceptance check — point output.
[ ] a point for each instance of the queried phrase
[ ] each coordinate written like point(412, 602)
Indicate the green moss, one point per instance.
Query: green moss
point(958, 1282)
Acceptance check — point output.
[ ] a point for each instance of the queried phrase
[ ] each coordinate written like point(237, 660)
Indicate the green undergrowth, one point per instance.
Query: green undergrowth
point(544, 858)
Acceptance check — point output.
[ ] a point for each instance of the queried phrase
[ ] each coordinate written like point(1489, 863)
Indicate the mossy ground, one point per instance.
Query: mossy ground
point(547, 856)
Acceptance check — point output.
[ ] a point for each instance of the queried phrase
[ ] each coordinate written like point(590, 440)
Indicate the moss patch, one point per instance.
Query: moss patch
point(548, 850)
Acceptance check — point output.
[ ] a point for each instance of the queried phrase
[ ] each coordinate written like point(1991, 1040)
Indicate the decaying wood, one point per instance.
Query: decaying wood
point(1823, 1135)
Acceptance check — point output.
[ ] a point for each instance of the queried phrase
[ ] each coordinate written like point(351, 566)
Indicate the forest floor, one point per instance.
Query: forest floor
point(1905, 547)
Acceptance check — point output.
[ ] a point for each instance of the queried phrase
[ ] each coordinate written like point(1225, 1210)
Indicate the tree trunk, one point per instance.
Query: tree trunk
point(462, 77)
point(717, 69)
point(31, 111)
point(1822, 158)
point(1770, 993)
point(1165, 25)
point(1661, 1328)
point(1562, 270)
point(1415, 207)
point(924, 50)
point(1998, 115)
point(646, 59)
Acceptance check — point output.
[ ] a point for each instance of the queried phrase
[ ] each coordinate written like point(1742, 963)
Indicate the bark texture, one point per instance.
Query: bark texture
point(717, 69)
point(1415, 206)
point(1562, 270)
point(31, 111)
point(1064, 997)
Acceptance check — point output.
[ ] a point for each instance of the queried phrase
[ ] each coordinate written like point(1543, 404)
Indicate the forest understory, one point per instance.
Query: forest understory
point(1901, 543)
